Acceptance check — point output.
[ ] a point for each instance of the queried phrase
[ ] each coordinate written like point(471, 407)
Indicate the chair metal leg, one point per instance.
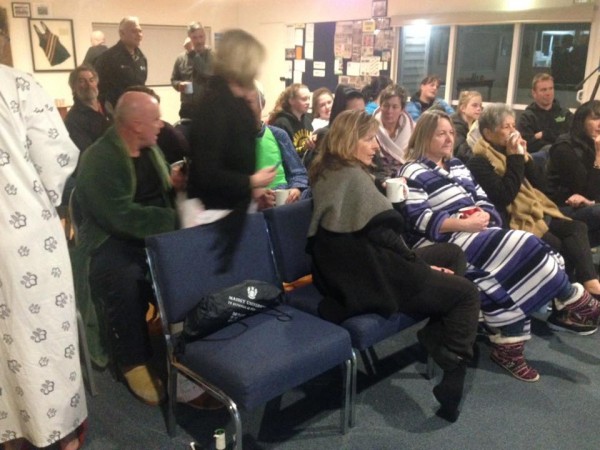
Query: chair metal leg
point(85, 352)
point(235, 416)
point(171, 399)
point(349, 393)
point(352, 421)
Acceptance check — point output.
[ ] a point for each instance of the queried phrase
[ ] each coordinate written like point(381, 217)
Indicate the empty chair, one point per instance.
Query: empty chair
point(244, 364)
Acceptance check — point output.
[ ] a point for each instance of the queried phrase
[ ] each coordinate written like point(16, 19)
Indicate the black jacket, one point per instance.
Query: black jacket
point(118, 70)
point(571, 169)
point(552, 123)
point(298, 130)
point(85, 125)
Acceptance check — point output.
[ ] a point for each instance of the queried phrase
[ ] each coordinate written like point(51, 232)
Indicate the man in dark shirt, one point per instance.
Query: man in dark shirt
point(86, 120)
point(123, 64)
point(98, 47)
point(192, 69)
point(543, 120)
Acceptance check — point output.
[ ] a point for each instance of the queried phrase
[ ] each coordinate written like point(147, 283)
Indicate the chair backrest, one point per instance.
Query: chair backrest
point(288, 229)
point(185, 263)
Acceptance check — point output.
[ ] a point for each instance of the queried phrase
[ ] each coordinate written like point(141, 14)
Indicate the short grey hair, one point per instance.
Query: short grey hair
point(493, 116)
point(194, 26)
point(127, 20)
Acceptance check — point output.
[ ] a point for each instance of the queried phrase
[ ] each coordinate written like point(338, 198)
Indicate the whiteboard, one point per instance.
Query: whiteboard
point(161, 44)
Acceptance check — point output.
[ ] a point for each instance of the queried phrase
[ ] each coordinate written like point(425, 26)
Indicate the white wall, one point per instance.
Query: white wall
point(266, 19)
point(219, 14)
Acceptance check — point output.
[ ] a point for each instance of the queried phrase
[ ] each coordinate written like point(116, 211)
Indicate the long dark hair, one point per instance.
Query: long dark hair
point(343, 93)
point(578, 133)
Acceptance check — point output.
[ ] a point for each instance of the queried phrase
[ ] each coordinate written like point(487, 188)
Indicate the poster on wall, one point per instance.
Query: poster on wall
point(5, 52)
point(52, 45)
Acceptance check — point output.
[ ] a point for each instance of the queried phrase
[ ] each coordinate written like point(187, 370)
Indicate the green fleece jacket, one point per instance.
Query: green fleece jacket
point(104, 193)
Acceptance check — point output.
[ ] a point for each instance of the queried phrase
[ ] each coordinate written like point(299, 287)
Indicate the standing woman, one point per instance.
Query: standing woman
point(42, 400)
point(395, 128)
point(468, 110)
point(321, 107)
point(574, 169)
point(291, 115)
point(362, 265)
point(223, 149)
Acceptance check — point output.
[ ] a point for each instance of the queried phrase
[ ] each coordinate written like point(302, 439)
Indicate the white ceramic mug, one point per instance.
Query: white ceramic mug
point(281, 196)
point(188, 87)
point(396, 189)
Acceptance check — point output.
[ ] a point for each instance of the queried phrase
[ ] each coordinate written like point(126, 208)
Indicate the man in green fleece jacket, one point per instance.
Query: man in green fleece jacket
point(124, 192)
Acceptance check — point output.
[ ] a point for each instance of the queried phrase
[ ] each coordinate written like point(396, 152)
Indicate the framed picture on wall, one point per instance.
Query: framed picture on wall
point(52, 45)
point(379, 8)
point(21, 9)
point(42, 10)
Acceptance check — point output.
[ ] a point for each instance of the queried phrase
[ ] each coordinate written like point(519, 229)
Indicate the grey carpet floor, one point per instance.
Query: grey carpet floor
point(395, 408)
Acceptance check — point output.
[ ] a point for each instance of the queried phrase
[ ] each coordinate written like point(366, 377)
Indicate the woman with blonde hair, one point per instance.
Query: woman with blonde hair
point(322, 100)
point(291, 115)
point(362, 265)
point(222, 172)
point(468, 111)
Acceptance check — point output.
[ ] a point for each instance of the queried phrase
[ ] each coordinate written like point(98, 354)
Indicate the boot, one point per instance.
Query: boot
point(450, 391)
point(578, 314)
point(509, 356)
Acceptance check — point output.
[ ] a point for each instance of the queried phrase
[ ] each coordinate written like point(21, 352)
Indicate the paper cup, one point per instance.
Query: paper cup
point(281, 196)
point(395, 189)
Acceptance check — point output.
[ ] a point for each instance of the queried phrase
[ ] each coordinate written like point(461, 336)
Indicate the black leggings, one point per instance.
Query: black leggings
point(570, 238)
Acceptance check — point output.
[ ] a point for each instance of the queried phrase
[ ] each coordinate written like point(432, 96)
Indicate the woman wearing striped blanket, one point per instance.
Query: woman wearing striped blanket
point(516, 272)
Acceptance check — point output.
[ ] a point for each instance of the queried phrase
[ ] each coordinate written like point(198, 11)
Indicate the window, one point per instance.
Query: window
point(423, 51)
point(559, 49)
point(483, 60)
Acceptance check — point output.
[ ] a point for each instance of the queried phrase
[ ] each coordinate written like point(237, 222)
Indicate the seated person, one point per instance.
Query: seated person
point(291, 115)
point(170, 140)
point(273, 146)
point(322, 99)
point(395, 128)
point(515, 271)
point(372, 91)
point(574, 170)
point(355, 227)
point(544, 119)
point(469, 108)
point(346, 98)
point(87, 120)
point(124, 193)
point(425, 98)
point(508, 175)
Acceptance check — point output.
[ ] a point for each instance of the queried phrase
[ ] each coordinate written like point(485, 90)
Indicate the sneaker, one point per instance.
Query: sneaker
point(562, 321)
point(584, 311)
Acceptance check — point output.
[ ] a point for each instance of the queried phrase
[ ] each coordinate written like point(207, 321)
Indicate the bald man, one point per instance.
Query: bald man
point(123, 65)
point(98, 47)
point(124, 192)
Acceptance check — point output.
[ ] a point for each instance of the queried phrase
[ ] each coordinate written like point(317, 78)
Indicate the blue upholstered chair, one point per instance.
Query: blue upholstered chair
point(288, 228)
point(245, 364)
